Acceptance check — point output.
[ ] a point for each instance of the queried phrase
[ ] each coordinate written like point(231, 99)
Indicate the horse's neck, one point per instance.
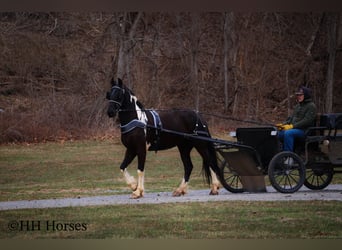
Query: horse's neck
point(131, 111)
point(126, 116)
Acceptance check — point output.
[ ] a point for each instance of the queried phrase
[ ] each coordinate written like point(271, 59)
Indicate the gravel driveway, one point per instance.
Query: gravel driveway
point(332, 192)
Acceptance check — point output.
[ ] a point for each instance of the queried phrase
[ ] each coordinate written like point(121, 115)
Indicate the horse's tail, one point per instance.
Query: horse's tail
point(213, 164)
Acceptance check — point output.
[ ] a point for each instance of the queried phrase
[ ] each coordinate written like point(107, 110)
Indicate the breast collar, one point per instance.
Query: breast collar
point(135, 123)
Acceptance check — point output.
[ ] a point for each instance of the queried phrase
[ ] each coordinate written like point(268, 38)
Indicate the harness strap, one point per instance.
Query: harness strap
point(200, 127)
point(115, 102)
point(156, 119)
point(132, 125)
point(157, 128)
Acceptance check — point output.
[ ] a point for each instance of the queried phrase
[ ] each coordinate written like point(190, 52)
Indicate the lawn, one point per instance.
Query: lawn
point(210, 220)
point(87, 168)
point(83, 168)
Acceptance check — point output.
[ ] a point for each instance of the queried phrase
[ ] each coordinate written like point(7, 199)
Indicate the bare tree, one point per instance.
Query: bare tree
point(128, 26)
point(332, 23)
point(194, 40)
point(229, 56)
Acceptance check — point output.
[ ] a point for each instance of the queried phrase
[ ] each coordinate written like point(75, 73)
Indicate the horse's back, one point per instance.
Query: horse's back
point(181, 121)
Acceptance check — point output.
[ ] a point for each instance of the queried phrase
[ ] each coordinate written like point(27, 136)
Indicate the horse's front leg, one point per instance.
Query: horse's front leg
point(130, 180)
point(139, 192)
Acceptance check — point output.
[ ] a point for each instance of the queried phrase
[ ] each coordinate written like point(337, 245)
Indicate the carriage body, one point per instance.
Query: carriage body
point(258, 153)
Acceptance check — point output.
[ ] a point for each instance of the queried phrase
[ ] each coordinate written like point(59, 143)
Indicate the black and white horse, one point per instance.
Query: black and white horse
point(140, 127)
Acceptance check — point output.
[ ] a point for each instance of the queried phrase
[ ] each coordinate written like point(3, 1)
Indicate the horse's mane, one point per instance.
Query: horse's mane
point(140, 105)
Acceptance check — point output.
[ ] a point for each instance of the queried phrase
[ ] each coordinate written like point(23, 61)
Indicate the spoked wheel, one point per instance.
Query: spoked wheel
point(318, 177)
point(286, 172)
point(231, 180)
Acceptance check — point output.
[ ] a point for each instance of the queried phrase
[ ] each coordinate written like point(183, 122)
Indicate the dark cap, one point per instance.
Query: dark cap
point(300, 91)
point(304, 91)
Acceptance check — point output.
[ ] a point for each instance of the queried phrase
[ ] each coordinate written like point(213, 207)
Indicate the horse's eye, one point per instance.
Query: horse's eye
point(108, 95)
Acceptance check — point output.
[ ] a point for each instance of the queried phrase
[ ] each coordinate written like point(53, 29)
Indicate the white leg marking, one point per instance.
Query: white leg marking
point(182, 189)
point(215, 185)
point(130, 180)
point(139, 192)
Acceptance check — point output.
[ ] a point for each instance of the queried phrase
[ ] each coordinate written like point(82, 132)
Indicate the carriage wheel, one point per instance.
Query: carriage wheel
point(231, 180)
point(286, 172)
point(318, 177)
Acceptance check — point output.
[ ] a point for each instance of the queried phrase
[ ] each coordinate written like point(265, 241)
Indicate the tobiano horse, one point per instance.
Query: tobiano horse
point(140, 127)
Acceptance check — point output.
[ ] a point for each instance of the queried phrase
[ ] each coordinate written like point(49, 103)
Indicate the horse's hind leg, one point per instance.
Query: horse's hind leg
point(215, 183)
point(188, 166)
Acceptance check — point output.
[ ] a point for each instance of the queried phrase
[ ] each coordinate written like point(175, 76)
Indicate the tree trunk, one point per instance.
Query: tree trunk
point(332, 20)
point(195, 33)
point(225, 60)
point(229, 54)
point(128, 29)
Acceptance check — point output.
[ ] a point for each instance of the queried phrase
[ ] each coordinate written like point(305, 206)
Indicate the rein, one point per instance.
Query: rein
point(229, 118)
point(261, 123)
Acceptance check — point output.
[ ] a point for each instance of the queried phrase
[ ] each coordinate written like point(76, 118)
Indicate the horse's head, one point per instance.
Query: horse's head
point(115, 97)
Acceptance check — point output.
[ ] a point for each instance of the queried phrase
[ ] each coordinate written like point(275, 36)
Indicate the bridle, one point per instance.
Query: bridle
point(118, 104)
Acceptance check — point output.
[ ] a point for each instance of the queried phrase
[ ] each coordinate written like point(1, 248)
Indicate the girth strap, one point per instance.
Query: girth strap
point(156, 127)
point(156, 119)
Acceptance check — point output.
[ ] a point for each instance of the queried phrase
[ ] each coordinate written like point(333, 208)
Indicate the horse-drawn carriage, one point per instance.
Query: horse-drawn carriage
point(257, 153)
point(239, 165)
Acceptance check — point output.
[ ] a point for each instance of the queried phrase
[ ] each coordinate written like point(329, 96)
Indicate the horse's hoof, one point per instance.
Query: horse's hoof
point(178, 193)
point(133, 196)
point(137, 194)
point(213, 192)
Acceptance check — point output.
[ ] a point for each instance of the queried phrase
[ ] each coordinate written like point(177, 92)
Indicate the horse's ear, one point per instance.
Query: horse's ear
point(120, 82)
point(112, 82)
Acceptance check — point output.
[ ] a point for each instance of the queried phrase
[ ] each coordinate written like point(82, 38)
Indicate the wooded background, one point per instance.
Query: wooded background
point(55, 68)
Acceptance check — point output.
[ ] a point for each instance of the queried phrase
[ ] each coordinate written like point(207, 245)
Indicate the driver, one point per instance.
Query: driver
point(303, 117)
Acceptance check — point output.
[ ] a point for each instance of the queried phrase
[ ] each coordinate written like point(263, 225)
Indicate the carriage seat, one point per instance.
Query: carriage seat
point(332, 122)
point(327, 126)
point(333, 135)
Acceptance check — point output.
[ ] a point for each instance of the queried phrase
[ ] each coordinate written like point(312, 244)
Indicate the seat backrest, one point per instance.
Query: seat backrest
point(331, 121)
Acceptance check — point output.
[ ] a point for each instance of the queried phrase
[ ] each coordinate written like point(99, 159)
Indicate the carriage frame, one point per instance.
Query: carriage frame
point(257, 153)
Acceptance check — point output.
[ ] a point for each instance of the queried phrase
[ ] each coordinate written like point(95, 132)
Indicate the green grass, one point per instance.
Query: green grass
point(83, 168)
point(86, 168)
point(211, 220)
